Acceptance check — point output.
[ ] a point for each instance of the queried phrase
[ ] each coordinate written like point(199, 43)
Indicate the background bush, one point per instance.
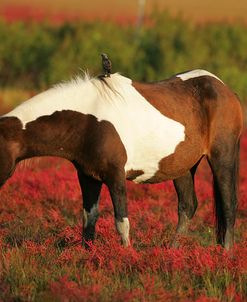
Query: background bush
point(39, 55)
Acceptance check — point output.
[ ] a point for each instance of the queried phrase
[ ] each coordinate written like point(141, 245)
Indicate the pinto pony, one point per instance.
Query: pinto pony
point(113, 129)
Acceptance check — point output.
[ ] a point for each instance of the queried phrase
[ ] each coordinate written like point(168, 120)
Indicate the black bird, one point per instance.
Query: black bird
point(106, 64)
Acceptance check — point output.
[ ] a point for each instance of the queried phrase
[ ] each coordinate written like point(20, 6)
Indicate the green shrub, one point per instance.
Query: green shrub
point(39, 55)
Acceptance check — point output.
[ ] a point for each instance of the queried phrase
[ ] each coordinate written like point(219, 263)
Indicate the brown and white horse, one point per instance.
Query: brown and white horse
point(113, 129)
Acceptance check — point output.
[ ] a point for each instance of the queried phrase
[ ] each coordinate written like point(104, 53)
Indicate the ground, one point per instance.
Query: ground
point(41, 257)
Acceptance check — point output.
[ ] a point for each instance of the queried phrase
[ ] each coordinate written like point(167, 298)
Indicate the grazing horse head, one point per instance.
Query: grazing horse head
point(113, 129)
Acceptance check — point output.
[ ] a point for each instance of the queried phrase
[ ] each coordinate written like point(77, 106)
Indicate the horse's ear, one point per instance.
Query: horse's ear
point(9, 152)
point(10, 128)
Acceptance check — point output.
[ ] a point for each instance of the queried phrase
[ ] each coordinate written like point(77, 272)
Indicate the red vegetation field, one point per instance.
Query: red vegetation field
point(41, 258)
point(123, 12)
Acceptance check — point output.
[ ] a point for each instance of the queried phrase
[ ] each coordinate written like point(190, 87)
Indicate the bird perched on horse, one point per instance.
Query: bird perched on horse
point(106, 64)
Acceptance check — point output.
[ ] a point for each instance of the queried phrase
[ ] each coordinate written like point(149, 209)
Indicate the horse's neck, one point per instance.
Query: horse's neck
point(44, 122)
point(75, 97)
point(54, 122)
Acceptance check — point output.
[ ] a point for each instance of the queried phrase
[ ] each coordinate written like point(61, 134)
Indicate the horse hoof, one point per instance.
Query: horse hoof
point(126, 242)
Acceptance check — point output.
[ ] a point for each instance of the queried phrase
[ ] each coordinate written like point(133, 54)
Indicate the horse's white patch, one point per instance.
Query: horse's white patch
point(195, 74)
point(123, 228)
point(148, 135)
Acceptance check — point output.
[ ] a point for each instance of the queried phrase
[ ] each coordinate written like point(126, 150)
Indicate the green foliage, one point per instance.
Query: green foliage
point(38, 55)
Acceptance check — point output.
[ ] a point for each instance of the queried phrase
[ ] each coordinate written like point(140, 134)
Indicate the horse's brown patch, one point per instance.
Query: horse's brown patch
point(10, 128)
point(132, 174)
point(204, 88)
point(80, 138)
point(14, 148)
point(195, 104)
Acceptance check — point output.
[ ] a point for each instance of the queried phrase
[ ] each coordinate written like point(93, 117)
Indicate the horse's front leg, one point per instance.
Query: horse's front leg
point(117, 188)
point(90, 192)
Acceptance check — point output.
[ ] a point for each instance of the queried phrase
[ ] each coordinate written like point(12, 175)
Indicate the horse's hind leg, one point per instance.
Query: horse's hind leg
point(224, 162)
point(187, 202)
point(90, 192)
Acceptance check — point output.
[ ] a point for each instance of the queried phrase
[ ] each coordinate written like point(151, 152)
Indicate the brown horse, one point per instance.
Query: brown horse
point(113, 129)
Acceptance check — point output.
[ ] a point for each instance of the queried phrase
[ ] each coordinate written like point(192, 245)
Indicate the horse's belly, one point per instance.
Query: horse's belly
point(154, 165)
point(143, 159)
point(156, 175)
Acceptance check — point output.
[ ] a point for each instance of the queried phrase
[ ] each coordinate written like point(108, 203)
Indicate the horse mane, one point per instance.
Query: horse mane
point(107, 87)
point(105, 84)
